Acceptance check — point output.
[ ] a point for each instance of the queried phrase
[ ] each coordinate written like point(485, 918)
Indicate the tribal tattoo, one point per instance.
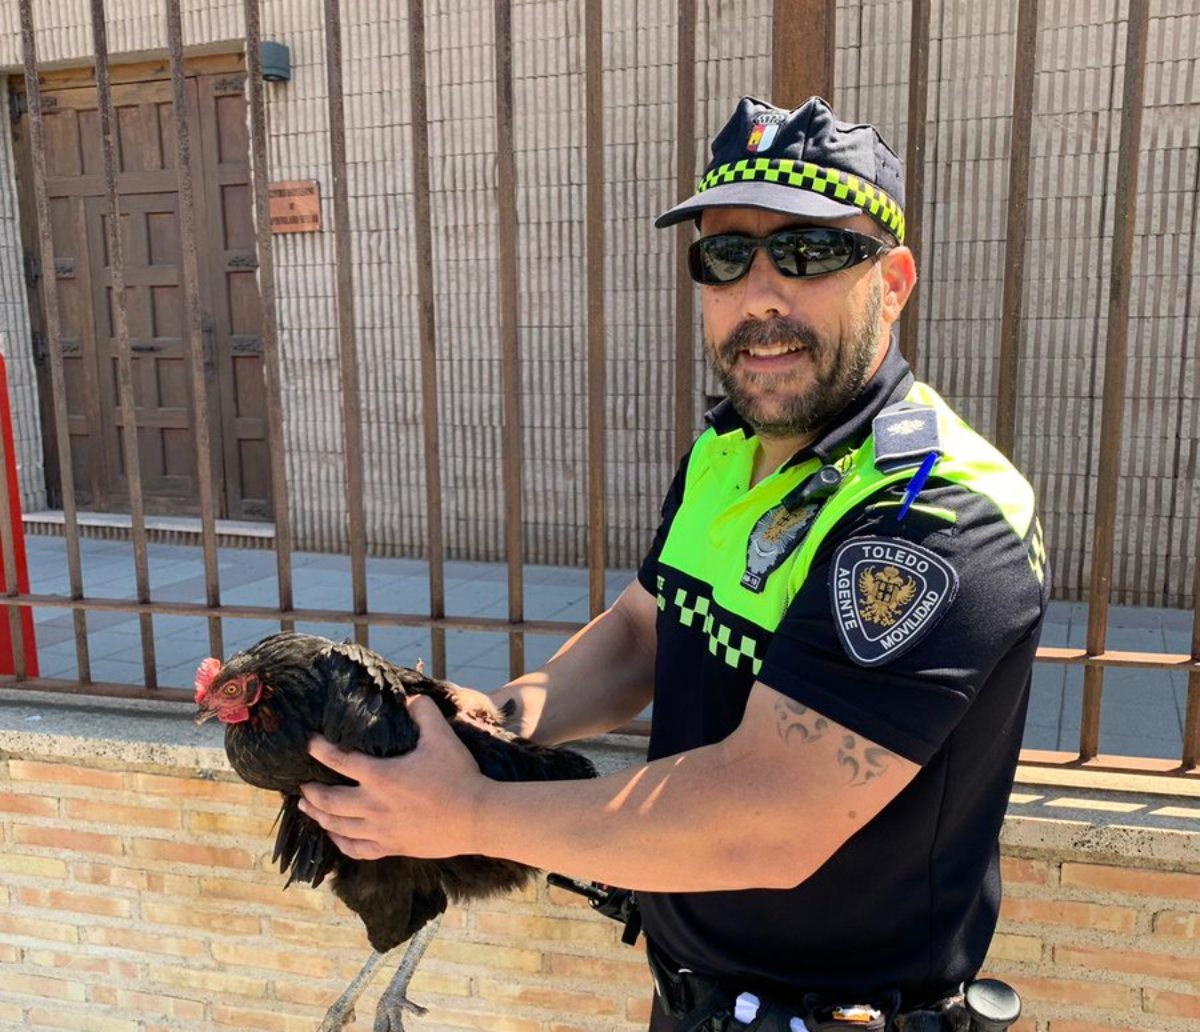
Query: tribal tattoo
point(798, 720)
point(863, 762)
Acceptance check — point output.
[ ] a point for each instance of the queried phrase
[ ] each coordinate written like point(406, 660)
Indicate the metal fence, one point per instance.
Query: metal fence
point(798, 71)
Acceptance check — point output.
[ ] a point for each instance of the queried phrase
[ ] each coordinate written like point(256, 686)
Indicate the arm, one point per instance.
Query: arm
point(601, 677)
point(766, 807)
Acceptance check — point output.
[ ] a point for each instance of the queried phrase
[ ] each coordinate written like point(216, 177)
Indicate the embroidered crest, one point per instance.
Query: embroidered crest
point(907, 426)
point(772, 540)
point(887, 595)
point(766, 128)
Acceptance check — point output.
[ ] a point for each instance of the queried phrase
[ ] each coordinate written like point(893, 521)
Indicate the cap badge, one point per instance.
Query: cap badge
point(766, 128)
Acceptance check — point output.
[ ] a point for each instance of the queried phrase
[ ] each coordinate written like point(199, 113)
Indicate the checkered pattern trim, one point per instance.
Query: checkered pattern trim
point(696, 610)
point(1035, 549)
point(840, 186)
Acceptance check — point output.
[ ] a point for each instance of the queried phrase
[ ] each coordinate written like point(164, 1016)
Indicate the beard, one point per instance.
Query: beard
point(773, 404)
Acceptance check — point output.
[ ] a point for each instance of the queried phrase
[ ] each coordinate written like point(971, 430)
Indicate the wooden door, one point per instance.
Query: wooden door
point(149, 203)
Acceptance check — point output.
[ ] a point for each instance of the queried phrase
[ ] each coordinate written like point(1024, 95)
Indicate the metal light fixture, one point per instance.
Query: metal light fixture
point(276, 61)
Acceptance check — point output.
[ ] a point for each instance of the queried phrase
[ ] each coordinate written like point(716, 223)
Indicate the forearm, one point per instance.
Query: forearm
point(689, 823)
point(602, 677)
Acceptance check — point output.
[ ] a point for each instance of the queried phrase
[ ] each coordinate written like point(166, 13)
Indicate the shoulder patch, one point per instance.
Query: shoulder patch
point(886, 595)
point(904, 434)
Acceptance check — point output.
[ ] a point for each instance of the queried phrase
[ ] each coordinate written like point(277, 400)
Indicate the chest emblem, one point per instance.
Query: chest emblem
point(886, 595)
point(774, 537)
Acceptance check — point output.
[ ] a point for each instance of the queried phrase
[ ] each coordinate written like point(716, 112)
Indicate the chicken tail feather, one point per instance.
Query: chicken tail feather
point(302, 849)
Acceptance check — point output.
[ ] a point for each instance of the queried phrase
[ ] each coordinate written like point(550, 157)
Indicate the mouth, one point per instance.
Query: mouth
point(204, 715)
point(771, 357)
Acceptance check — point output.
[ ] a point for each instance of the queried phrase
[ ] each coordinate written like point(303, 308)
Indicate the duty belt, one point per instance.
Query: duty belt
point(704, 1004)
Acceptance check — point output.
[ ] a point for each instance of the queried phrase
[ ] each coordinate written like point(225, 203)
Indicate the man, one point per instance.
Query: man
point(837, 622)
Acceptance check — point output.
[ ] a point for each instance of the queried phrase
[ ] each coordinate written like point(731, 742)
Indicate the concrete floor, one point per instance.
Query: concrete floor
point(1142, 711)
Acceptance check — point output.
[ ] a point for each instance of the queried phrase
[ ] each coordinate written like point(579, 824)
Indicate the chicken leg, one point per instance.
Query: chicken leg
point(342, 1012)
point(394, 1001)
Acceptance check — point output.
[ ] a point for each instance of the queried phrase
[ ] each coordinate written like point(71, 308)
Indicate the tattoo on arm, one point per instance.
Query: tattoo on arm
point(861, 761)
point(799, 721)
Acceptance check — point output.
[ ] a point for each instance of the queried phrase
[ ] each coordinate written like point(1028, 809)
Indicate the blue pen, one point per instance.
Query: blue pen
point(917, 482)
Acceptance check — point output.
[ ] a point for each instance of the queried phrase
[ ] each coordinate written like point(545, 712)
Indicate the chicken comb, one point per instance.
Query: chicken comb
point(205, 675)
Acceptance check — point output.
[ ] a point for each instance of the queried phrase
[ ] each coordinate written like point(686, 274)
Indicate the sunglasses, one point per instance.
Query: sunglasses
point(806, 251)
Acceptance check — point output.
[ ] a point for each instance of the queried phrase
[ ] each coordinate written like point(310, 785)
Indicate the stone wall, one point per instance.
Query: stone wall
point(137, 895)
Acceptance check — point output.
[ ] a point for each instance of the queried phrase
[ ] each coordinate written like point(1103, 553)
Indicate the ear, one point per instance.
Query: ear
point(899, 271)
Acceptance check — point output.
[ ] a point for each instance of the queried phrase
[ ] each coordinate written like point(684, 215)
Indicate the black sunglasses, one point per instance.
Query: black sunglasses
point(805, 251)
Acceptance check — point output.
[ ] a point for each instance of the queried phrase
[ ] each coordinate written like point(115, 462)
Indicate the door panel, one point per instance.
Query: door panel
point(230, 315)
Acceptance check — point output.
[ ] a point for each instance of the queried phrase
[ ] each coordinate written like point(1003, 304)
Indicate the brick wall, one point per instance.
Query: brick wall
point(140, 898)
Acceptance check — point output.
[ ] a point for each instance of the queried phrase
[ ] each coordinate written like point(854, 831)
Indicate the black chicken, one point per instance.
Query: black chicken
point(274, 696)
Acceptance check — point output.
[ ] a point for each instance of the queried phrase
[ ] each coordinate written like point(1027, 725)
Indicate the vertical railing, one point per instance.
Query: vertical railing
point(1115, 360)
point(596, 417)
point(62, 431)
point(685, 182)
point(914, 167)
point(192, 323)
point(120, 310)
point(510, 357)
point(1017, 232)
point(347, 336)
point(272, 360)
point(426, 328)
point(795, 75)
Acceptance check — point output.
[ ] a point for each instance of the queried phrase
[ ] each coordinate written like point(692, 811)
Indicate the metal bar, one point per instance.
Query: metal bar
point(193, 320)
point(597, 423)
point(1191, 723)
point(347, 344)
point(1016, 236)
point(1116, 341)
point(62, 431)
point(100, 689)
point(800, 28)
point(9, 554)
point(339, 616)
point(685, 182)
point(914, 163)
point(427, 325)
point(116, 264)
point(510, 355)
point(272, 360)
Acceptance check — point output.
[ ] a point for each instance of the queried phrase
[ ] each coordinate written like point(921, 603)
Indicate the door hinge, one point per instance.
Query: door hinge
point(38, 341)
point(33, 270)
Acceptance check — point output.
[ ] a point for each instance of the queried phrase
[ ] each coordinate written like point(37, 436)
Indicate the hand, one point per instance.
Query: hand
point(421, 804)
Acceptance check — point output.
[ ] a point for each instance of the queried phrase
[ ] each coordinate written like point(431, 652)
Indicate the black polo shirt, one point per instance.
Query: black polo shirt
point(910, 902)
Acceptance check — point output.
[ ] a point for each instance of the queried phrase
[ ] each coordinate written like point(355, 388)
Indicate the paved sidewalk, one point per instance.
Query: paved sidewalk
point(1142, 712)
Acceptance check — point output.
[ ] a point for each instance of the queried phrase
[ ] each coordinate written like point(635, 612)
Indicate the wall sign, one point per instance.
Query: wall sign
point(295, 206)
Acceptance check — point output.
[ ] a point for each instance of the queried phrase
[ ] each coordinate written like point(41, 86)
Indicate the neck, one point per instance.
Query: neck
point(773, 452)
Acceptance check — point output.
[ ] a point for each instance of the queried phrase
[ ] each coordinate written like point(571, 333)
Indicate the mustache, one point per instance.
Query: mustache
point(754, 333)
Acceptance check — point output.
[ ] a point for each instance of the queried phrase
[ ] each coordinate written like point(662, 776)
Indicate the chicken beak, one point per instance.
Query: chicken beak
point(203, 715)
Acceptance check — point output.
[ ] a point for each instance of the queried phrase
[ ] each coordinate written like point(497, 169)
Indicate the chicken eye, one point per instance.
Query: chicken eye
point(231, 688)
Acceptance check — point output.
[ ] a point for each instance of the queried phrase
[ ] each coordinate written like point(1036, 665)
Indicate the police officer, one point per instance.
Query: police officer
point(836, 621)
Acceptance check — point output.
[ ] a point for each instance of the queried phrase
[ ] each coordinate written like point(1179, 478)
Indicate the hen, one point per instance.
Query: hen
point(274, 696)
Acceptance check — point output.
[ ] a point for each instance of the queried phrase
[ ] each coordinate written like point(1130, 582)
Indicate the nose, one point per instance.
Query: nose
point(764, 292)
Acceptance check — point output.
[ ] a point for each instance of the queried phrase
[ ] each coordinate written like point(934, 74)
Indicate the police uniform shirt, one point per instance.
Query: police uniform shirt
point(910, 901)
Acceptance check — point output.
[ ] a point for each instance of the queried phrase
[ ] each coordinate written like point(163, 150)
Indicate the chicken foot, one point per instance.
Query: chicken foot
point(394, 1001)
point(342, 1012)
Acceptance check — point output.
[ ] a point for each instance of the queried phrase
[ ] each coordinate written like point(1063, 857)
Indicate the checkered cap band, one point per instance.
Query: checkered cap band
point(839, 186)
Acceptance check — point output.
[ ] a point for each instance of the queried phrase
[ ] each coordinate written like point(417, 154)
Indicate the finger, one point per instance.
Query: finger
point(340, 801)
point(358, 849)
point(425, 714)
point(352, 827)
point(324, 751)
